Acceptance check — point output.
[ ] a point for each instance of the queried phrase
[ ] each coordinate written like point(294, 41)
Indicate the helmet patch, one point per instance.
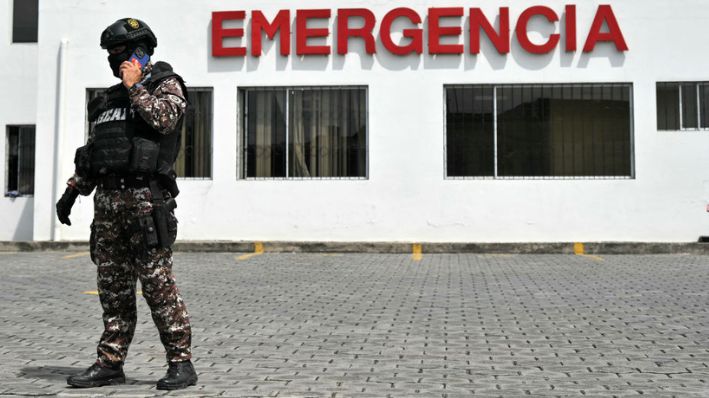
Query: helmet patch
point(133, 23)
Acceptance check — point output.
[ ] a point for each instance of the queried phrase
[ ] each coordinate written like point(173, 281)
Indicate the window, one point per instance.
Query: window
point(682, 106)
point(539, 131)
point(24, 21)
point(195, 157)
point(20, 160)
point(308, 132)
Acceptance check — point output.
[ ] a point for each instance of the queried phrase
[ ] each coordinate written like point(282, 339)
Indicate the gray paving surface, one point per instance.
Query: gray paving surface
point(374, 325)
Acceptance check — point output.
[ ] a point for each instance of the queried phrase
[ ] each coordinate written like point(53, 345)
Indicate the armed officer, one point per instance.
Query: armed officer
point(129, 159)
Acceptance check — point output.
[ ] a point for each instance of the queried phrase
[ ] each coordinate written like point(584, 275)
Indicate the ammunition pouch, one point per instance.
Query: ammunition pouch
point(112, 148)
point(144, 156)
point(146, 226)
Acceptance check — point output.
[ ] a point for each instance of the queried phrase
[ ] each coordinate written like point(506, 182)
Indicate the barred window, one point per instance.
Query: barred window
point(25, 15)
point(682, 106)
point(539, 131)
point(306, 132)
point(20, 161)
point(195, 157)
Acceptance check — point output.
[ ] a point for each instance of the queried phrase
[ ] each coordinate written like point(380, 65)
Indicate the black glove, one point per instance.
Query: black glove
point(65, 203)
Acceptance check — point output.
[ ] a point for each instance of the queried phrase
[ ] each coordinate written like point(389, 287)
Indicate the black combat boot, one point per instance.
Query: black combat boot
point(179, 375)
point(97, 376)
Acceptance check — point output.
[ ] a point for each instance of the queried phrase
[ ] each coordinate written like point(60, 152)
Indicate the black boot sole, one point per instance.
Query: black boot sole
point(177, 386)
point(97, 383)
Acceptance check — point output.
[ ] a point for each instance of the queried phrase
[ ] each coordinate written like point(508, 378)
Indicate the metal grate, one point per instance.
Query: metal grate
point(305, 132)
point(682, 106)
point(539, 131)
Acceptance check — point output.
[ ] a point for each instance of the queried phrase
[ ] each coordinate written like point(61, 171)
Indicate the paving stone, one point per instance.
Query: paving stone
point(309, 325)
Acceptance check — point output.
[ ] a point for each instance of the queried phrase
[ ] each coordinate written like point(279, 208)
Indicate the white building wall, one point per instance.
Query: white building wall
point(406, 197)
point(18, 85)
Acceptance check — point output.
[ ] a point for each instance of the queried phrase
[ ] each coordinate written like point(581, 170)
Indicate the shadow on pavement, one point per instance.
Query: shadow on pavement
point(51, 373)
point(60, 373)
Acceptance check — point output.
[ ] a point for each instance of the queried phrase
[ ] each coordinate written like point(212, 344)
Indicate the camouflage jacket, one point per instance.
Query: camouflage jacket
point(162, 110)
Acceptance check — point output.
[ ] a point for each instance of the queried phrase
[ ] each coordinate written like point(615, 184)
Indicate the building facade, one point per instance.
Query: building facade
point(423, 121)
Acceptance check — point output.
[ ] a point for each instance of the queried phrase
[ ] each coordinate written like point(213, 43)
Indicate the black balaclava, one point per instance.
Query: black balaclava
point(115, 60)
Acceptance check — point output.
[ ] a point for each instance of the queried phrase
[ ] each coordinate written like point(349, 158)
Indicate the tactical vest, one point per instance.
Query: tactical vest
point(125, 144)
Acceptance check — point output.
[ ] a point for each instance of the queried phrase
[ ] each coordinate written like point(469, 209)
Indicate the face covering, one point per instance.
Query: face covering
point(115, 60)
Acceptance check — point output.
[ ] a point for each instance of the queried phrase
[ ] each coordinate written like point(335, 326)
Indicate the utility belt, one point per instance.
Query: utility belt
point(135, 177)
point(124, 182)
point(159, 229)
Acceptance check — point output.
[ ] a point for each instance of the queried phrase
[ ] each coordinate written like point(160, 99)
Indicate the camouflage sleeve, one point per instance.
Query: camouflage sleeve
point(164, 108)
point(83, 184)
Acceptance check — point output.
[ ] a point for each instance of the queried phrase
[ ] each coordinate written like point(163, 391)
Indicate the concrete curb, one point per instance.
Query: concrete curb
point(396, 247)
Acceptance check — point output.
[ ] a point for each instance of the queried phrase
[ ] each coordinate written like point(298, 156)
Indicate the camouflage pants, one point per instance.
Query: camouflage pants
point(119, 250)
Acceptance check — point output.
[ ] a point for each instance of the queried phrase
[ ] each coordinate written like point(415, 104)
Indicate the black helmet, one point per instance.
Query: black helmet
point(129, 30)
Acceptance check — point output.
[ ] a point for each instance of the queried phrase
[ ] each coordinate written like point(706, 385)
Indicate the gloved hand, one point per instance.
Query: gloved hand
point(65, 203)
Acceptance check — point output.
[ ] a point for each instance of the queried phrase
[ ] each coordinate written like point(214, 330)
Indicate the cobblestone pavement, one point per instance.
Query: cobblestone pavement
point(375, 325)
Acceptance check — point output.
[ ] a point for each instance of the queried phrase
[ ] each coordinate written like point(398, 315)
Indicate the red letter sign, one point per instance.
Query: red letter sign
point(570, 28)
point(344, 32)
point(478, 21)
point(435, 30)
point(416, 35)
point(522, 36)
point(219, 33)
point(605, 14)
point(303, 33)
point(260, 24)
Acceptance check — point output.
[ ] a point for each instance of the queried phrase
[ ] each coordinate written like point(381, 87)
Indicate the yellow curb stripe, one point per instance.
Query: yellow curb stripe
point(247, 256)
point(594, 258)
point(76, 255)
point(580, 250)
point(258, 250)
point(417, 252)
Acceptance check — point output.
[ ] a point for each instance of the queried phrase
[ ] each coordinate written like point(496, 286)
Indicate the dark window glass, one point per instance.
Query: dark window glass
point(266, 133)
point(195, 157)
point(326, 137)
point(545, 130)
point(704, 105)
point(327, 133)
point(574, 131)
point(668, 106)
point(20, 160)
point(24, 21)
point(690, 100)
point(690, 108)
point(470, 132)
